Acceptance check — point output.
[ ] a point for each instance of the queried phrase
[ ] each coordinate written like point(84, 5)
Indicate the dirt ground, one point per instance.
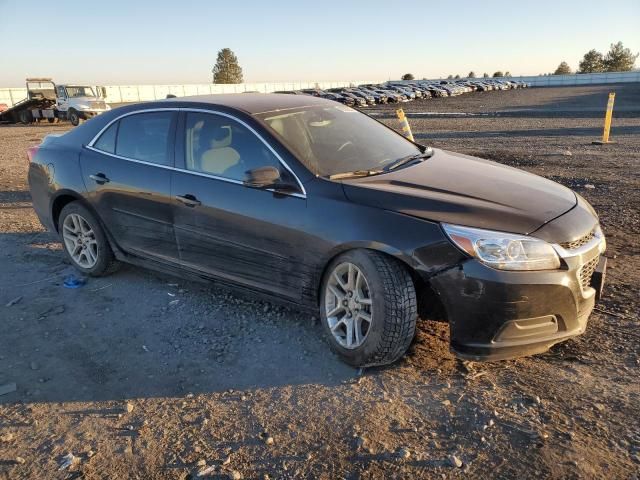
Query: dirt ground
point(143, 375)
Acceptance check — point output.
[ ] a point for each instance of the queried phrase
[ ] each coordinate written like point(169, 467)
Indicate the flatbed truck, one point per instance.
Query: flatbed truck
point(48, 101)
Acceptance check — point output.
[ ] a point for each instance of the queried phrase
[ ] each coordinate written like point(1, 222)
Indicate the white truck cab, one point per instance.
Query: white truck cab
point(79, 102)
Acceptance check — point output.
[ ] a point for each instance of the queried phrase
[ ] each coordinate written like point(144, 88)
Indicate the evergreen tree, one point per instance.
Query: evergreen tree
point(619, 59)
point(227, 69)
point(563, 69)
point(592, 62)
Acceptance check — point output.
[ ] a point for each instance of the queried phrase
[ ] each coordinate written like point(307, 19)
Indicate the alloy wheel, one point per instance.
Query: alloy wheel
point(348, 305)
point(80, 240)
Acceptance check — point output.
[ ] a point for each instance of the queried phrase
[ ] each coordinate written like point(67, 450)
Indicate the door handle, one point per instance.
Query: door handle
point(99, 178)
point(189, 200)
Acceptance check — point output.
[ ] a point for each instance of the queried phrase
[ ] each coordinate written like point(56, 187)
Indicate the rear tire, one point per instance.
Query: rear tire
point(85, 242)
point(25, 117)
point(388, 301)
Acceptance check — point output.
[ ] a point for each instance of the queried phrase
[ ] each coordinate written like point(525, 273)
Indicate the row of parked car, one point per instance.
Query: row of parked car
point(396, 92)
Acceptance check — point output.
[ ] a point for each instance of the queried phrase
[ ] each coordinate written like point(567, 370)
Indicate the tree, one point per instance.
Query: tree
point(592, 62)
point(498, 74)
point(408, 76)
point(507, 73)
point(563, 69)
point(485, 75)
point(450, 77)
point(457, 77)
point(227, 69)
point(619, 59)
point(471, 74)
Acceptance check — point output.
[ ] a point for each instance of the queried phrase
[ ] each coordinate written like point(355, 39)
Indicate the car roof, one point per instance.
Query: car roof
point(253, 103)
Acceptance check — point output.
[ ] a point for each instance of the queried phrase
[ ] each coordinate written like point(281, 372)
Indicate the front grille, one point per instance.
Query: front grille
point(586, 272)
point(580, 241)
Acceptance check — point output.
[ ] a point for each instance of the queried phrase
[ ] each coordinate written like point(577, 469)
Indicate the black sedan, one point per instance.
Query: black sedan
point(320, 205)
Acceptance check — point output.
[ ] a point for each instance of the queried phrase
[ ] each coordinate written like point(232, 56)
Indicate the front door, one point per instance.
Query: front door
point(230, 231)
point(61, 98)
point(127, 172)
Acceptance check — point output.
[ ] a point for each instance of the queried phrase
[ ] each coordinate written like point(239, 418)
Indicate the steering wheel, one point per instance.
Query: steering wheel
point(345, 144)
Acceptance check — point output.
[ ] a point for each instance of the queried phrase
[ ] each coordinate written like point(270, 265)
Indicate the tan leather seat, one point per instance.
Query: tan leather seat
point(220, 157)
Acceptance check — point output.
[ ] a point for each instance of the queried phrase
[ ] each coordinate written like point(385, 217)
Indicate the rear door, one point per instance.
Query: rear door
point(127, 171)
point(225, 229)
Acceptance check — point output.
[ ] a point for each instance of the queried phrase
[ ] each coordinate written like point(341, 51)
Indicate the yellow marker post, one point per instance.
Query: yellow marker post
point(404, 123)
point(607, 120)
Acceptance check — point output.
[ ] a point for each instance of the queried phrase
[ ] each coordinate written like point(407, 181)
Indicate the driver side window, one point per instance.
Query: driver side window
point(222, 147)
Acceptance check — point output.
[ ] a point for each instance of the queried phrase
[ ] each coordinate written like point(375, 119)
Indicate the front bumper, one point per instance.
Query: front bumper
point(498, 314)
point(87, 114)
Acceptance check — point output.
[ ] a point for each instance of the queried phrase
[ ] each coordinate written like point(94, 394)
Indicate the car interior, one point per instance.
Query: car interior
point(219, 146)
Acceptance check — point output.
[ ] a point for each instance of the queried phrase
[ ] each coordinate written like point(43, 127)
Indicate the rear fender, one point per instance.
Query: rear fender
point(65, 196)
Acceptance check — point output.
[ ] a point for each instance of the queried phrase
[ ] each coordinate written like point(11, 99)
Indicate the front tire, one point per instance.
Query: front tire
point(85, 242)
point(368, 308)
point(74, 117)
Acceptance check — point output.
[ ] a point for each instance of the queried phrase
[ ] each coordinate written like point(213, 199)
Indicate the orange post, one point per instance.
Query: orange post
point(607, 120)
point(406, 129)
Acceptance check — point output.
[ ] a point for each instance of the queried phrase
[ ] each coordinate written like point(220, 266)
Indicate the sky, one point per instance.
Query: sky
point(118, 42)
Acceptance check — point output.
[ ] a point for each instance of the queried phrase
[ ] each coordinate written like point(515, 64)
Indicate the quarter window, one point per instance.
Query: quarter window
point(221, 146)
point(145, 136)
point(107, 141)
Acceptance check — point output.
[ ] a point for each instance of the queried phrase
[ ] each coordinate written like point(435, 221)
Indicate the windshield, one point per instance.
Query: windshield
point(336, 139)
point(74, 92)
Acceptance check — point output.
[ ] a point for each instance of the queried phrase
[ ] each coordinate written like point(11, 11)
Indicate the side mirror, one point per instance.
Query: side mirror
point(266, 177)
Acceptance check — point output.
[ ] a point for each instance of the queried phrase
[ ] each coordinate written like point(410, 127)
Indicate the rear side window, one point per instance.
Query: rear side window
point(107, 141)
point(145, 136)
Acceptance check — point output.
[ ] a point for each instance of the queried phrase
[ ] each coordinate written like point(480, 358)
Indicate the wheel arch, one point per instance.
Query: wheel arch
point(62, 199)
point(373, 246)
point(429, 302)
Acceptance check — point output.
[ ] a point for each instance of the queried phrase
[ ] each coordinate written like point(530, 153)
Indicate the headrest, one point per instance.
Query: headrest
point(278, 125)
point(221, 137)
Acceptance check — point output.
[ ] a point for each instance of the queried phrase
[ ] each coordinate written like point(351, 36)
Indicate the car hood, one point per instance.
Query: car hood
point(460, 189)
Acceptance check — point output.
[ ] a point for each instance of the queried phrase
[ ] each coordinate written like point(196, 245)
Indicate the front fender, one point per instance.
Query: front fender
point(418, 244)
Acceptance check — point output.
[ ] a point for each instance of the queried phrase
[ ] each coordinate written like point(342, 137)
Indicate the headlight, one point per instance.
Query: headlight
point(504, 251)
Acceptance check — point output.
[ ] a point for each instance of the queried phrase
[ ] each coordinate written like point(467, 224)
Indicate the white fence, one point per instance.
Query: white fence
point(580, 79)
point(572, 80)
point(140, 93)
point(12, 95)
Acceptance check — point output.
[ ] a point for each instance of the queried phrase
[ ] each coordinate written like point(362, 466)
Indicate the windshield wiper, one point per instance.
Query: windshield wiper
point(355, 173)
point(408, 159)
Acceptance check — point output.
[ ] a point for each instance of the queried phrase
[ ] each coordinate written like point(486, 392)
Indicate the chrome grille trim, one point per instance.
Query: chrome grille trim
point(586, 272)
point(584, 245)
point(580, 241)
